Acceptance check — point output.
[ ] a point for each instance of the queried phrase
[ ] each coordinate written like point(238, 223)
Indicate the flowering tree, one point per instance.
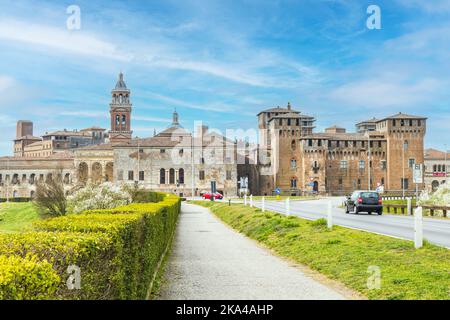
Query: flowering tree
point(102, 196)
point(441, 197)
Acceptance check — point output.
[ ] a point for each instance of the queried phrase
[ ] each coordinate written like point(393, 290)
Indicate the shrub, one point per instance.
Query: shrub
point(98, 196)
point(26, 278)
point(50, 199)
point(141, 195)
point(91, 251)
point(118, 254)
point(441, 197)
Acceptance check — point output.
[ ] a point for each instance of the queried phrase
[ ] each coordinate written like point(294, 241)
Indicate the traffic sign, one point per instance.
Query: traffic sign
point(418, 173)
point(277, 191)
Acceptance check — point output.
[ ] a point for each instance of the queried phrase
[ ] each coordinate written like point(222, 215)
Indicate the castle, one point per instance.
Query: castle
point(290, 156)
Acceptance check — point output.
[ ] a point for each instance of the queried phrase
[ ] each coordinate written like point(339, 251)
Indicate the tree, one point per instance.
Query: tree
point(50, 199)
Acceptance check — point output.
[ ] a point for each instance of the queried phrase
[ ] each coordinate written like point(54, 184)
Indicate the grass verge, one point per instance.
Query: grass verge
point(16, 217)
point(346, 255)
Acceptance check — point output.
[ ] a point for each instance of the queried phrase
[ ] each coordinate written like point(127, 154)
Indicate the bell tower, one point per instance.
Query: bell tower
point(120, 111)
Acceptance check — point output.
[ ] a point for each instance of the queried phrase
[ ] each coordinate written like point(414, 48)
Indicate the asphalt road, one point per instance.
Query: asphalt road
point(436, 231)
point(209, 260)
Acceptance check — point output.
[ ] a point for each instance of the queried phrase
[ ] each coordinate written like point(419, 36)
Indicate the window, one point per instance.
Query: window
point(340, 181)
point(172, 176)
point(310, 143)
point(162, 151)
point(379, 144)
point(402, 123)
point(141, 176)
point(293, 164)
point(130, 175)
point(289, 122)
point(181, 152)
point(119, 175)
point(162, 176)
point(337, 144)
point(293, 144)
point(181, 176)
point(319, 143)
point(201, 175)
point(383, 164)
point(343, 164)
point(362, 164)
point(346, 143)
point(382, 181)
point(294, 183)
point(404, 183)
point(411, 163)
point(228, 176)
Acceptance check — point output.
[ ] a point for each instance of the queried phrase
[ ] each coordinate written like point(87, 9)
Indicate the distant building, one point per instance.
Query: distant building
point(436, 168)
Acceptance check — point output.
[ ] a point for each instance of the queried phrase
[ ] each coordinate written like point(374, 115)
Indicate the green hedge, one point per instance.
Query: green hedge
point(117, 250)
point(16, 199)
point(26, 278)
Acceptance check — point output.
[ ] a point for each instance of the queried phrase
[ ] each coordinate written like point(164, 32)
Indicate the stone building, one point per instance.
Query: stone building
point(298, 160)
point(436, 168)
point(173, 160)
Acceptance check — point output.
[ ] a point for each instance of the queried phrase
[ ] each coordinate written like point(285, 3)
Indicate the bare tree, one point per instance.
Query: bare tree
point(50, 199)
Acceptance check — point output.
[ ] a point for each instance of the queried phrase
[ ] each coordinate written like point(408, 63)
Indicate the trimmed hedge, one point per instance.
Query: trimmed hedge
point(118, 250)
point(26, 278)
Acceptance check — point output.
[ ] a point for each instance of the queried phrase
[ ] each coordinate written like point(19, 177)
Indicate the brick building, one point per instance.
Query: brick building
point(380, 152)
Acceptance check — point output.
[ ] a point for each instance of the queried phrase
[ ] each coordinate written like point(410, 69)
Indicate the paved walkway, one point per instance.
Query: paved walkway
point(211, 261)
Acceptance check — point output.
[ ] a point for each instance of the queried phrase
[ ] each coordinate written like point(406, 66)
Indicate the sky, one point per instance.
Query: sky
point(222, 62)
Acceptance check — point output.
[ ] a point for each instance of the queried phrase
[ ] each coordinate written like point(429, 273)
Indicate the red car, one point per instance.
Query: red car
point(217, 195)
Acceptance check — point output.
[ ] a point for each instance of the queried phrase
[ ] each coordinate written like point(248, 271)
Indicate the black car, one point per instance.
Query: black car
point(364, 201)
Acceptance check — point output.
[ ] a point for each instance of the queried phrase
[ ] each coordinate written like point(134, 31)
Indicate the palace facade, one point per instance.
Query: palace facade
point(290, 155)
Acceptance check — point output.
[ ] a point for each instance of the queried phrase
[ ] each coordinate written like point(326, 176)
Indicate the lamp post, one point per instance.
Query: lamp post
point(192, 165)
point(369, 167)
point(7, 181)
point(138, 161)
point(405, 146)
point(445, 162)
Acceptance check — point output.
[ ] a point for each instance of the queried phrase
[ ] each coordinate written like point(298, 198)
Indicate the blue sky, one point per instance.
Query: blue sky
point(223, 62)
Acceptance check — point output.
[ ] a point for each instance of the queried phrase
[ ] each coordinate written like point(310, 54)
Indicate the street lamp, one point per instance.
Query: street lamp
point(445, 162)
point(138, 161)
point(369, 156)
point(7, 181)
point(405, 146)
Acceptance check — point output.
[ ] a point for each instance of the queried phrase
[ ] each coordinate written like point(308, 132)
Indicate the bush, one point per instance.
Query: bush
point(91, 251)
point(26, 278)
point(441, 197)
point(118, 254)
point(141, 195)
point(98, 196)
point(50, 198)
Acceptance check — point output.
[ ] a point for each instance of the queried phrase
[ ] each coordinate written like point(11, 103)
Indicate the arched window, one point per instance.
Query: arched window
point(293, 144)
point(172, 176)
point(181, 176)
point(162, 176)
point(124, 120)
point(117, 119)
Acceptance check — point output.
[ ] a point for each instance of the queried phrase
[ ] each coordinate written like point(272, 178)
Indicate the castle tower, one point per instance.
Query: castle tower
point(405, 147)
point(120, 111)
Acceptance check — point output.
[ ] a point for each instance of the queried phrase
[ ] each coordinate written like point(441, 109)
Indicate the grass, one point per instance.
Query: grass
point(346, 255)
point(16, 217)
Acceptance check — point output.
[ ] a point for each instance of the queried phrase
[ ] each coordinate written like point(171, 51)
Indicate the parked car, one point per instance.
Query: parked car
point(364, 201)
point(217, 196)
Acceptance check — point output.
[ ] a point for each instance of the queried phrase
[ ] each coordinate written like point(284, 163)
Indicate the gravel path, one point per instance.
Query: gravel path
point(211, 261)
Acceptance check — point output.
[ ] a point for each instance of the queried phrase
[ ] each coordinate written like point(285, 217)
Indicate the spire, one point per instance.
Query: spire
point(175, 122)
point(289, 106)
point(120, 85)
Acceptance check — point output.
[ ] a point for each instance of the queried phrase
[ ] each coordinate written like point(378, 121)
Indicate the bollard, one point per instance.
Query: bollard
point(418, 228)
point(229, 202)
point(408, 201)
point(288, 207)
point(245, 199)
point(251, 201)
point(263, 204)
point(330, 216)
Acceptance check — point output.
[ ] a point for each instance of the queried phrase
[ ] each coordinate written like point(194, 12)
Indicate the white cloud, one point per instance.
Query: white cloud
point(5, 83)
point(59, 38)
point(386, 93)
point(85, 113)
point(434, 6)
